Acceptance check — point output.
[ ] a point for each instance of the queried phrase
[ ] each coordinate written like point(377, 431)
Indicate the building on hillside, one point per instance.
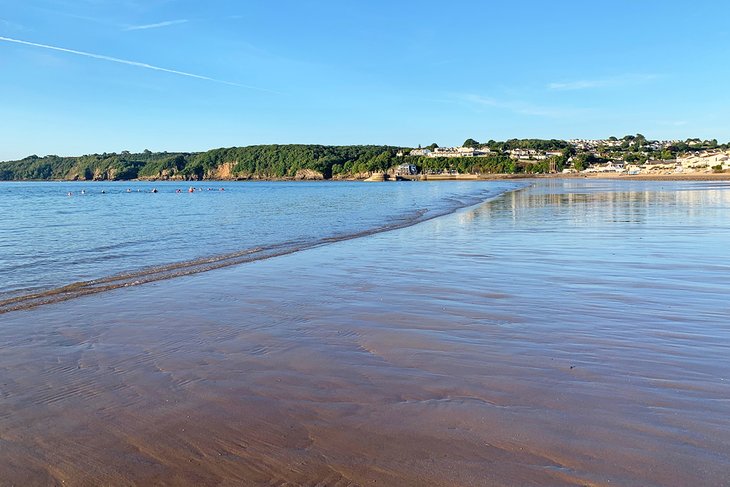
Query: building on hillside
point(523, 154)
point(610, 166)
point(406, 170)
point(452, 152)
point(445, 152)
point(591, 144)
point(705, 160)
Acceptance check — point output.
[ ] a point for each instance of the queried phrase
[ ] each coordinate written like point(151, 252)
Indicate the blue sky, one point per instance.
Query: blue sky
point(355, 72)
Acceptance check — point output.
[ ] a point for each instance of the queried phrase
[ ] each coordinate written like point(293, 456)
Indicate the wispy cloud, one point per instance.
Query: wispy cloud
point(609, 82)
point(157, 25)
point(131, 63)
point(516, 106)
point(10, 25)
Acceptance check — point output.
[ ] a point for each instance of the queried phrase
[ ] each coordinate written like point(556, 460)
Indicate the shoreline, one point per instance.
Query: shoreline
point(627, 177)
point(436, 177)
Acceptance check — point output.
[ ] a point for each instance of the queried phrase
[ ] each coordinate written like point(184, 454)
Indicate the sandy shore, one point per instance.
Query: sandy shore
point(568, 334)
point(618, 176)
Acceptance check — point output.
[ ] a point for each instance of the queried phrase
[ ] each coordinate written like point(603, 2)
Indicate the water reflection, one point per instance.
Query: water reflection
point(593, 203)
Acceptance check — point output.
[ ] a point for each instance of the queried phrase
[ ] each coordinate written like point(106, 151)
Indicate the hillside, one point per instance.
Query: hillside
point(252, 162)
point(257, 162)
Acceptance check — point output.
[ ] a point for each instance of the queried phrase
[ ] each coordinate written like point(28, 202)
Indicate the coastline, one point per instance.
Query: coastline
point(491, 362)
point(627, 177)
point(685, 176)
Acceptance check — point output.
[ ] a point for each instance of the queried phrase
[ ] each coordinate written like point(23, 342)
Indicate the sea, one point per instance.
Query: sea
point(55, 234)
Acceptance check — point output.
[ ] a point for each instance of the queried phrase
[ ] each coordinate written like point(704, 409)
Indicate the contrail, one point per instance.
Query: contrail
point(157, 25)
point(132, 63)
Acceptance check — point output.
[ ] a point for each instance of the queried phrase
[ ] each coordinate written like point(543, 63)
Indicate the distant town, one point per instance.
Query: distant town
point(631, 154)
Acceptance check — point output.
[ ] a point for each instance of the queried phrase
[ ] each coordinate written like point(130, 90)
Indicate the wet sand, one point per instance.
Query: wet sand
point(572, 334)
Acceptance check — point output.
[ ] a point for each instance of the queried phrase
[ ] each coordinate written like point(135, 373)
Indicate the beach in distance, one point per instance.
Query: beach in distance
point(534, 332)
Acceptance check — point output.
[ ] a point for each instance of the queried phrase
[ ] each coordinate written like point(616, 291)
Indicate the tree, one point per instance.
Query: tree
point(470, 143)
point(582, 161)
point(636, 157)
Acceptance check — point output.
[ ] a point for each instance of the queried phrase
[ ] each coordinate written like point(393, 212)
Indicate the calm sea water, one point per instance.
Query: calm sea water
point(49, 239)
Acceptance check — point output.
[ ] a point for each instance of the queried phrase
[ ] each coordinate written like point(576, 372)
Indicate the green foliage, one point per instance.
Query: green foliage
point(470, 143)
point(583, 160)
point(534, 144)
point(636, 157)
point(158, 168)
point(499, 164)
point(261, 161)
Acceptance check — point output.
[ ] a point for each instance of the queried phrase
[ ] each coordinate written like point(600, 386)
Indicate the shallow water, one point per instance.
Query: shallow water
point(574, 333)
point(49, 239)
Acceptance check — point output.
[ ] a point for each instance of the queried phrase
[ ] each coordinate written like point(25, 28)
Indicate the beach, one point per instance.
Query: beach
point(573, 332)
point(659, 176)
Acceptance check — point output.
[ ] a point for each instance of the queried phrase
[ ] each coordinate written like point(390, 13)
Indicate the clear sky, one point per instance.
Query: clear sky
point(240, 72)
